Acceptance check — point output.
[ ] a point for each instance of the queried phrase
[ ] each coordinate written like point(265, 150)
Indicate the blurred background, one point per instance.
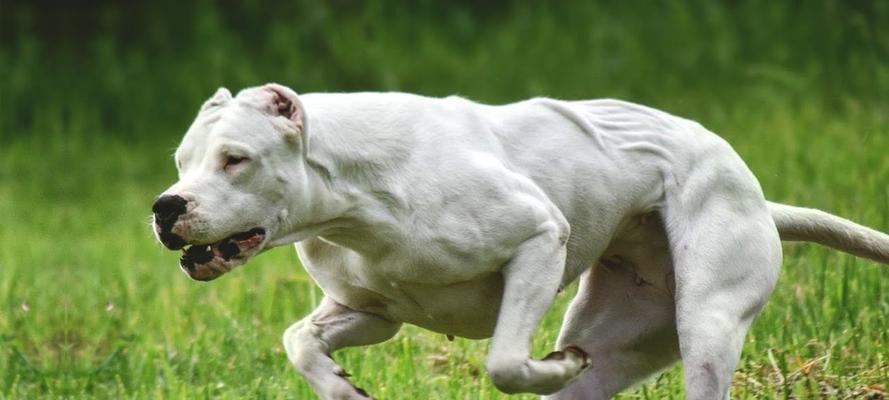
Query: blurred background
point(134, 69)
point(95, 95)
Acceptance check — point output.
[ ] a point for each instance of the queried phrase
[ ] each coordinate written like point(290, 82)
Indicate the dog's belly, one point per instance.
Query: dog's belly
point(641, 248)
point(470, 308)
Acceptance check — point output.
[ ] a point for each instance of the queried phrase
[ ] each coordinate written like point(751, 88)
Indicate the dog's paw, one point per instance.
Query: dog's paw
point(343, 389)
point(347, 392)
point(354, 393)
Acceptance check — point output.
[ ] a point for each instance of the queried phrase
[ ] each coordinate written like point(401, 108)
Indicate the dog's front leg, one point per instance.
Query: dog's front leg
point(332, 326)
point(531, 282)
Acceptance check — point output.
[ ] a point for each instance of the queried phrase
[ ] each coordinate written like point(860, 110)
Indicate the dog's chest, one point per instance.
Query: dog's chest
point(448, 294)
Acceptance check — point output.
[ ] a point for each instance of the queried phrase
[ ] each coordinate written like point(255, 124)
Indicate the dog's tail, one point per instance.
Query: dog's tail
point(811, 225)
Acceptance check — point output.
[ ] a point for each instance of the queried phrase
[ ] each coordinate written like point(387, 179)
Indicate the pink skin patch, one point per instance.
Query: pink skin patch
point(283, 102)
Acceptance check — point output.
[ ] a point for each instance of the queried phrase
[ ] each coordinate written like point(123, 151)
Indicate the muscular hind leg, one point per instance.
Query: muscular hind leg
point(727, 255)
point(623, 316)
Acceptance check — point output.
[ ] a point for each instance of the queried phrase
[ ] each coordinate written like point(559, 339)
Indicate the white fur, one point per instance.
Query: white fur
point(467, 219)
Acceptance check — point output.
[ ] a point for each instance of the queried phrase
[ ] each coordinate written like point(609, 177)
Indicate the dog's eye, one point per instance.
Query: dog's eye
point(231, 161)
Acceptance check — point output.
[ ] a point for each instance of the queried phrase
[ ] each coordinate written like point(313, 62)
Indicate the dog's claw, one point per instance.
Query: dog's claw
point(562, 354)
point(585, 358)
point(362, 392)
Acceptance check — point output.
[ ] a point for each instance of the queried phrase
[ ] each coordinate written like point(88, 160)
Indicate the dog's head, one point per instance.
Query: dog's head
point(241, 180)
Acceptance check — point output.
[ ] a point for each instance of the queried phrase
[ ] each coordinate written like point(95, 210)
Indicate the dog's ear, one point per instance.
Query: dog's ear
point(285, 103)
point(219, 98)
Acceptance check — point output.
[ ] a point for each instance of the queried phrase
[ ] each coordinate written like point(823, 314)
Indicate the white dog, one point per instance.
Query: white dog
point(467, 219)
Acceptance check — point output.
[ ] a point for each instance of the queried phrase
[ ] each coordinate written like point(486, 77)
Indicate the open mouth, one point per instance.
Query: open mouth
point(219, 255)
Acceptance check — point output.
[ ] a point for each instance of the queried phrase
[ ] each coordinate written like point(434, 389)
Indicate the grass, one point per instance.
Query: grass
point(93, 99)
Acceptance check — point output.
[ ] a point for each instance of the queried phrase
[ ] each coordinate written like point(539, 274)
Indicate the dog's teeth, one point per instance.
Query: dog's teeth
point(198, 254)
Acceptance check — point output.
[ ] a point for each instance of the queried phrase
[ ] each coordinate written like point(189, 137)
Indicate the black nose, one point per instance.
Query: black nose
point(167, 210)
point(172, 241)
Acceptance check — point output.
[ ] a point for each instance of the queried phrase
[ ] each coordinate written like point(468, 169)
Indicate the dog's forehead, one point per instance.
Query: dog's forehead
point(235, 121)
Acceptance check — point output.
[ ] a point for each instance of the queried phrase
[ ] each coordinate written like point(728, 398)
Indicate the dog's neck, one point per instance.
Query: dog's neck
point(347, 147)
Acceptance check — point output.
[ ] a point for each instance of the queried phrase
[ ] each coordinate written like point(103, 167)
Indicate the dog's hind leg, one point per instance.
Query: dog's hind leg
point(332, 326)
point(727, 256)
point(624, 319)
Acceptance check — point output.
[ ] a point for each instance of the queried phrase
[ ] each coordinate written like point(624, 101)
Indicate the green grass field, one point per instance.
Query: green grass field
point(92, 307)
